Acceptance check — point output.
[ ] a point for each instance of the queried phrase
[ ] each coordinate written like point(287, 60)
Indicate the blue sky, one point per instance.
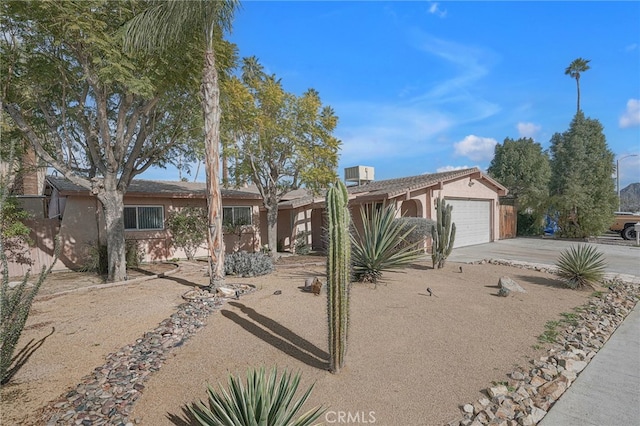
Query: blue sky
point(422, 86)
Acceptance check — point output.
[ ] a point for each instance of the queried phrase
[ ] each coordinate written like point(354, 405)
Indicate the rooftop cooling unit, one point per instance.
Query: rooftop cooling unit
point(358, 174)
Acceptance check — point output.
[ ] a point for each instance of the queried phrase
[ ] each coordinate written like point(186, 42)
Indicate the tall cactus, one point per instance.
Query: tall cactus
point(443, 234)
point(338, 273)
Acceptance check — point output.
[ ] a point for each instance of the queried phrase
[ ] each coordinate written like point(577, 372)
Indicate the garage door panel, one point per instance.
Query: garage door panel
point(473, 221)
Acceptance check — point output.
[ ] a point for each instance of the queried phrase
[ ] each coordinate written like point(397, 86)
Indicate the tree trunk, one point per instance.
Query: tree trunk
point(578, 85)
point(211, 109)
point(272, 229)
point(113, 202)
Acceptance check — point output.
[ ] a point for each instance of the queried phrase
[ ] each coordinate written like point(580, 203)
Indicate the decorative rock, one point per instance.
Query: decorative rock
point(107, 395)
point(572, 365)
point(511, 285)
point(309, 282)
point(468, 408)
point(503, 292)
point(227, 292)
point(317, 287)
point(537, 381)
point(553, 389)
point(537, 414)
point(497, 391)
point(516, 375)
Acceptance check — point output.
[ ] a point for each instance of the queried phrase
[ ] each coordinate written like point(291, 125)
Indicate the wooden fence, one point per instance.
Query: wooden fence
point(43, 233)
point(508, 221)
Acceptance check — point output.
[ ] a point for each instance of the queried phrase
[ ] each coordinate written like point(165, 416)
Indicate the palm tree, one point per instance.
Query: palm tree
point(171, 22)
point(574, 69)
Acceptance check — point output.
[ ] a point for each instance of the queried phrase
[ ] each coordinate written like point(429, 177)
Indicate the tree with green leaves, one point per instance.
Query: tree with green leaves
point(523, 167)
point(575, 68)
point(188, 227)
point(582, 190)
point(277, 140)
point(198, 23)
point(97, 115)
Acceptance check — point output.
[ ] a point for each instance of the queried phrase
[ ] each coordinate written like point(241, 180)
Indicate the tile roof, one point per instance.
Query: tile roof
point(392, 187)
point(160, 188)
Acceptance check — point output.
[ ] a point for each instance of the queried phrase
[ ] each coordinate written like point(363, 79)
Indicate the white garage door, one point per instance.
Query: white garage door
point(473, 221)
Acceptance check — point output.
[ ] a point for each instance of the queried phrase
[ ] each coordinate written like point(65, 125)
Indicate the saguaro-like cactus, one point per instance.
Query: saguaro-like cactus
point(443, 234)
point(338, 273)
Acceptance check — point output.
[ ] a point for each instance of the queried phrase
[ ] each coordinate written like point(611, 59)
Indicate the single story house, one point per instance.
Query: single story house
point(473, 195)
point(77, 215)
point(147, 204)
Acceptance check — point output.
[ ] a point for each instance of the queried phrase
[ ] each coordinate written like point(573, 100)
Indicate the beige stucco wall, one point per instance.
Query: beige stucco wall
point(79, 230)
point(461, 190)
point(421, 203)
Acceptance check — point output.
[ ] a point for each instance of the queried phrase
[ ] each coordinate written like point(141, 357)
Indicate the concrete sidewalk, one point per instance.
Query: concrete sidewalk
point(607, 392)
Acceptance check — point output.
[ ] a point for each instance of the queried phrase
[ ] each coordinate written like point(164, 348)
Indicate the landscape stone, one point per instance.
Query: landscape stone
point(503, 292)
point(573, 365)
point(497, 391)
point(511, 285)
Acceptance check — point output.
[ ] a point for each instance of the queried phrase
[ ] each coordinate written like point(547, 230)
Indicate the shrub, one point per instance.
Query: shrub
point(188, 227)
point(98, 257)
point(581, 265)
point(302, 243)
point(382, 246)
point(133, 253)
point(14, 232)
point(262, 401)
point(419, 228)
point(246, 264)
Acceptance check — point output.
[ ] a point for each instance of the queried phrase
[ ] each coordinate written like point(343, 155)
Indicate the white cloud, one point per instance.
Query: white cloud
point(387, 132)
point(528, 130)
point(631, 117)
point(459, 92)
point(476, 148)
point(434, 9)
point(451, 168)
point(631, 47)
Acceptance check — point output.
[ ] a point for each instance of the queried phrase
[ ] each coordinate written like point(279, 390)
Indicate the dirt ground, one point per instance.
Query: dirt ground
point(412, 359)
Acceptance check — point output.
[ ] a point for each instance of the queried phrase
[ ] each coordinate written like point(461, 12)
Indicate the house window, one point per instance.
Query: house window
point(236, 216)
point(143, 217)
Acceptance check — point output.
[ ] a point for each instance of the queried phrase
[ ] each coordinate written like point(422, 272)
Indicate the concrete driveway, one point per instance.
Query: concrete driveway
point(621, 259)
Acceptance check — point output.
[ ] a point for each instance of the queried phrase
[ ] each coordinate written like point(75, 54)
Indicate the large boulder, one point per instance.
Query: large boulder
point(510, 285)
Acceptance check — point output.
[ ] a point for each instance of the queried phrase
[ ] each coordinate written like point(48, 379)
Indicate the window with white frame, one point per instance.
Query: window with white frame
point(143, 218)
point(236, 216)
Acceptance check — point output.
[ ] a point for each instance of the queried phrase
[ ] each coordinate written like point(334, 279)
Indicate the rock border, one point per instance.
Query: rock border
point(106, 396)
point(526, 397)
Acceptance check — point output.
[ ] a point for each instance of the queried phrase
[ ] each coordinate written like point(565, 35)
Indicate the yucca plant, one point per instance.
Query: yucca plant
point(264, 400)
point(581, 265)
point(380, 246)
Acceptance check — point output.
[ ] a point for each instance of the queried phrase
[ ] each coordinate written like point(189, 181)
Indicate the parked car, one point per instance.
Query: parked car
point(624, 224)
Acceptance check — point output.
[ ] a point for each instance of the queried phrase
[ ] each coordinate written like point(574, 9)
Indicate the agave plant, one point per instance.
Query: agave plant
point(381, 246)
point(263, 400)
point(581, 265)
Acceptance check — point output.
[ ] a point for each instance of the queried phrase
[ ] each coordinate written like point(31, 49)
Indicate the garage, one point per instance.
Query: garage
point(473, 221)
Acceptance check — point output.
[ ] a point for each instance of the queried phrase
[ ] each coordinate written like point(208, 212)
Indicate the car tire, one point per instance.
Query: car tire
point(629, 233)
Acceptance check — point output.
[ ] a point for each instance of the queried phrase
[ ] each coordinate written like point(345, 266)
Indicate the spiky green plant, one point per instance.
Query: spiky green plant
point(264, 400)
point(382, 246)
point(443, 234)
point(581, 265)
point(338, 273)
point(15, 303)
